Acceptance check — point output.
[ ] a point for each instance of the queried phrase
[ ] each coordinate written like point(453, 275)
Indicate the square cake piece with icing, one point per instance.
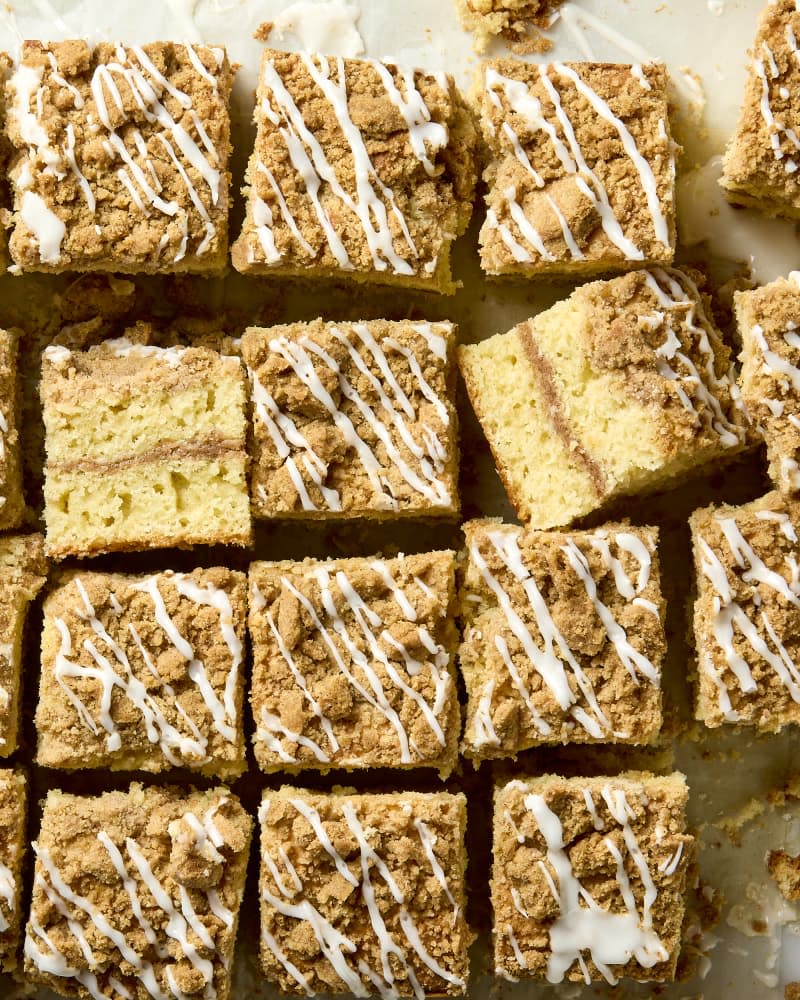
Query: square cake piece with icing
point(581, 170)
point(364, 894)
point(589, 878)
point(353, 663)
point(13, 845)
point(353, 419)
point(146, 448)
point(23, 572)
point(623, 388)
point(362, 171)
point(12, 499)
point(760, 166)
point(136, 894)
point(563, 637)
point(120, 157)
point(144, 673)
point(768, 320)
point(747, 613)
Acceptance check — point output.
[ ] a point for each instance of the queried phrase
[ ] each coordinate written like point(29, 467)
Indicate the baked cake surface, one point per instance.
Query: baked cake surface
point(581, 170)
point(144, 672)
point(563, 637)
point(589, 877)
point(760, 165)
point(353, 419)
point(12, 499)
point(364, 894)
point(121, 157)
point(136, 894)
point(768, 320)
point(13, 845)
point(146, 447)
point(23, 571)
point(361, 170)
point(747, 613)
point(353, 663)
point(624, 387)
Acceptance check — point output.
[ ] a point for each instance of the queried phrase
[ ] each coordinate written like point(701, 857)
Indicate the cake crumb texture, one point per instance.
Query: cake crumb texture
point(12, 498)
point(137, 893)
point(348, 880)
point(516, 21)
point(13, 845)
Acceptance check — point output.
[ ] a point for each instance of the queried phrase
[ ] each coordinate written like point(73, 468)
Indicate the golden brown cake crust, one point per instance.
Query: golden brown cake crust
point(551, 833)
point(353, 419)
point(768, 318)
point(185, 854)
point(13, 845)
point(760, 167)
point(408, 848)
point(12, 499)
point(540, 124)
point(393, 223)
point(747, 612)
point(542, 657)
point(129, 637)
point(341, 683)
point(121, 157)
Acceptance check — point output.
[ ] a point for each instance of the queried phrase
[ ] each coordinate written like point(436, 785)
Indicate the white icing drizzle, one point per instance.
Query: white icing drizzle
point(610, 938)
point(553, 660)
point(47, 228)
point(529, 108)
point(728, 617)
point(419, 457)
point(766, 69)
point(365, 648)
point(679, 299)
point(334, 945)
point(373, 202)
point(112, 670)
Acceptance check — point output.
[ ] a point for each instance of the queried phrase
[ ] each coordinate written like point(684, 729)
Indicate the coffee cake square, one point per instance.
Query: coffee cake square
point(563, 637)
point(13, 845)
point(768, 320)
point(136, 894)
point(362, 171)
point(759, 169)
point(364, 894)
point(146, 448)
point(581, 170)
point(747, 613)
point(353, 419)
point(353, 663)
point(144, 673)
point(623, 388)
point(23, 572)
point(120, 157)
point(12, 499)
point(589, 879)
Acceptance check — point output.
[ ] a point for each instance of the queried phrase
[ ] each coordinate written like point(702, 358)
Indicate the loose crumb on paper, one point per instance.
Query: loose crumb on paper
point(520, 22)
point(785, 870)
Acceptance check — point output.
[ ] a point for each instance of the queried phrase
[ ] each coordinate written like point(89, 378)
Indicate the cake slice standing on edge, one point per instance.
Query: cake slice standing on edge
point(563, 637)
point(353, 420)
point(760, 166)
point(581, 168)
point(121, 157)
point(768, 320)
point(23, 572)
point(12, 498)
point(625, 387)
point(137, 894)
point(364, 894)
point(747, 613)
point(362, 171)
point(13, 845)
point(589, 880)
point(353, 663)
point(146, 448)
point(144, 673)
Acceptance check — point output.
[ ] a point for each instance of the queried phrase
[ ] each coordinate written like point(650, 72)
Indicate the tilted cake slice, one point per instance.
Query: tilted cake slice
point(146, 447)
point(362, 171)
point(563, 637)
point(13, 845)
point(624, 387)
point(12, 499)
